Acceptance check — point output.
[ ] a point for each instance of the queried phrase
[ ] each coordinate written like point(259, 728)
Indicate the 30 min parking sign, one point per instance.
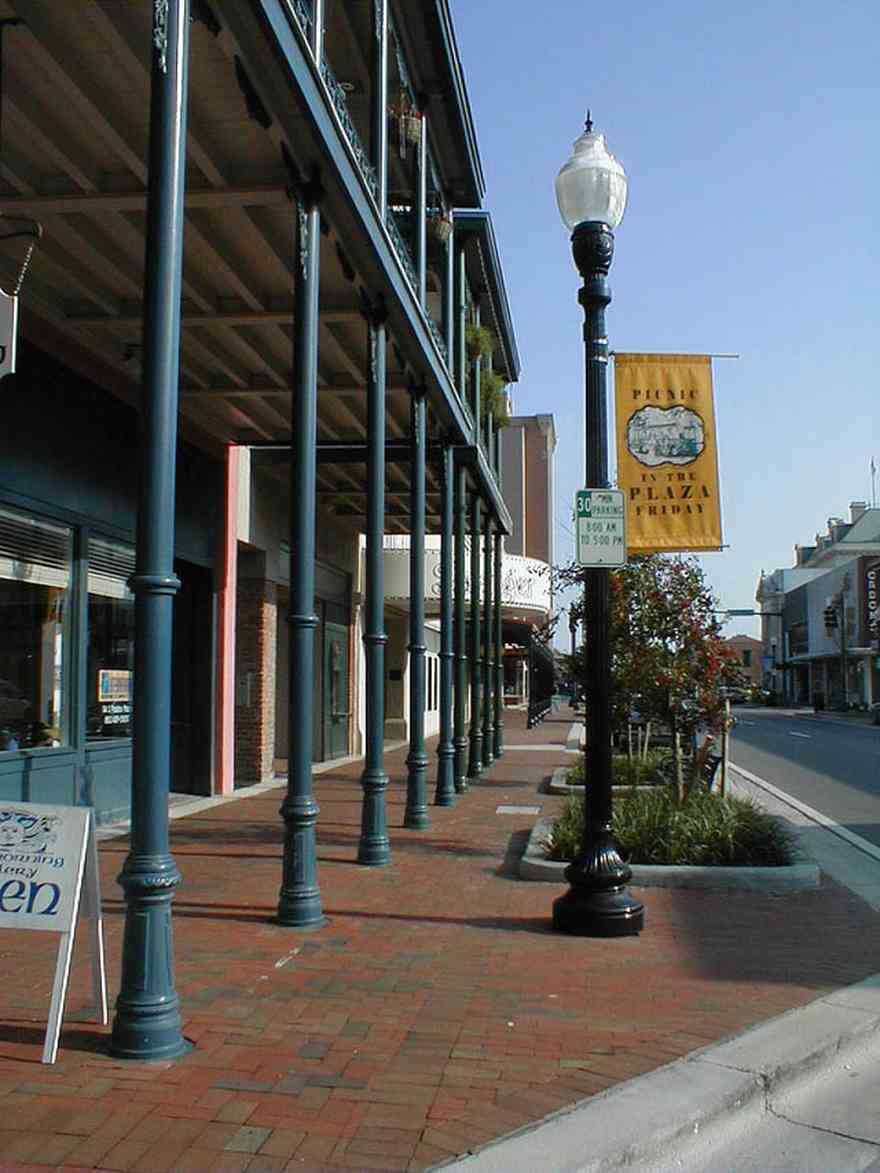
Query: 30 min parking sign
point(600, 527)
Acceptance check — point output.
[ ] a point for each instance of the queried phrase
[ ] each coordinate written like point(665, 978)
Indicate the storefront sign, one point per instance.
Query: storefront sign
point(667, 456)
point(8, 332)
point(525, 582)
point(48, 875)
point(114, 684)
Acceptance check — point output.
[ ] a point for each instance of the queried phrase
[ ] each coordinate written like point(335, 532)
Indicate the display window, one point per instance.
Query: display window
point(35, 613)
point(37, 627)
point(110, 659)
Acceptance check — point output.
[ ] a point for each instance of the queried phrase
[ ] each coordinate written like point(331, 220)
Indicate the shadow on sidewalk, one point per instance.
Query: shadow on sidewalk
point(91, 1040)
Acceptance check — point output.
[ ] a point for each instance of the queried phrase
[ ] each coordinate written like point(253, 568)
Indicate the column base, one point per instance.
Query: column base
point(416, 817)
point(444, 795)
point(610, 912)
point(374, 853)
point(300, 912)
point(147, 1034)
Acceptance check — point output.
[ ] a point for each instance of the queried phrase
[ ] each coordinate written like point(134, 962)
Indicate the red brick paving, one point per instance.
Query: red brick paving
point(435, 1010)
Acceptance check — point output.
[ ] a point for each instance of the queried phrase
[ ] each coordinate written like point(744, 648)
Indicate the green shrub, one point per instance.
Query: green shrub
point(655, 770)
point(652, 827)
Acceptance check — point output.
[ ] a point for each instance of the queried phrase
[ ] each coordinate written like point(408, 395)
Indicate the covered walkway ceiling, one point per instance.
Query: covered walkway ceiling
point(75, 105)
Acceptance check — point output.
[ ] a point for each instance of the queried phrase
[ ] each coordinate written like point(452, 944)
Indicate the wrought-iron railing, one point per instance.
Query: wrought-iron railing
point(401, 248)
point(437, 335)
point(302, 10)
point(340, 105)
point(541, 680)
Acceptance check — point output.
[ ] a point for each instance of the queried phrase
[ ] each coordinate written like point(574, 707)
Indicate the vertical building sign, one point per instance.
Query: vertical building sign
point(871, 596)
point(667, 454)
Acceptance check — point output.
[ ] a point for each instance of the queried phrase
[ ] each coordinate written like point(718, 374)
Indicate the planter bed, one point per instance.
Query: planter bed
point(558, 785)
point(535, 865)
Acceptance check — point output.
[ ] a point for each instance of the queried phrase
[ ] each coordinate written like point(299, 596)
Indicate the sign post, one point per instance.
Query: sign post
point(48, 876)
point(600, 527)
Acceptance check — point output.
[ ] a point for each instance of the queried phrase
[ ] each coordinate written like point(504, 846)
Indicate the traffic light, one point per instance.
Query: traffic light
point(830, 617)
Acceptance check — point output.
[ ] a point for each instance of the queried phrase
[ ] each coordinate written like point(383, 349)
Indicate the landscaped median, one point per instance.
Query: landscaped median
point(658, 827)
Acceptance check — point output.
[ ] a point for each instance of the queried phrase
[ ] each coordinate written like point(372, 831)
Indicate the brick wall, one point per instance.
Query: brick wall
point(256, 627)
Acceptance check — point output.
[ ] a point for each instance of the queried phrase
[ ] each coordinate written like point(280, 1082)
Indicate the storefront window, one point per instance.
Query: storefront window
point(111, 639)
point(35, 571)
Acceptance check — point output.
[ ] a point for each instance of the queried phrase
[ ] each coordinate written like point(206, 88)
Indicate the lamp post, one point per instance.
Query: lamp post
point(591, 193)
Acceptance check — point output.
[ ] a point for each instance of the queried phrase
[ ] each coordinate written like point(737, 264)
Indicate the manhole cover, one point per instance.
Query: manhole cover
point(517, 810)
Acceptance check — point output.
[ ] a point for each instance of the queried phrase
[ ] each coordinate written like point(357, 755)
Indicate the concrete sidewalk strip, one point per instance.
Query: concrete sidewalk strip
point(534, 865)
point(637, 1123)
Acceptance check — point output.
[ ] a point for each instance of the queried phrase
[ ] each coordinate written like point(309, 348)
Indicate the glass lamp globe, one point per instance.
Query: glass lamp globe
point(592, 184)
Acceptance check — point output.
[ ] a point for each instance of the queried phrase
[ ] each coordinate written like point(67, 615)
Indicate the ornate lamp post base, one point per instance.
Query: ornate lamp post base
point(598, 905)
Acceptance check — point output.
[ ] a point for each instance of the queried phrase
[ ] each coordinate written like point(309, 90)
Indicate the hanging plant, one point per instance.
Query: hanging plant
point(409, 124)
point(441, 226)
point(479, 342)
point(493, 398)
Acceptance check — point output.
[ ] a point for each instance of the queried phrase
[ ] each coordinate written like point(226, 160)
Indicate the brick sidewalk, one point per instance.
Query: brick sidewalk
point(434, 1012)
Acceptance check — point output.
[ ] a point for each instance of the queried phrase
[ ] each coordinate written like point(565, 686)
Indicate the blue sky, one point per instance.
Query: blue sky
point(749, 133)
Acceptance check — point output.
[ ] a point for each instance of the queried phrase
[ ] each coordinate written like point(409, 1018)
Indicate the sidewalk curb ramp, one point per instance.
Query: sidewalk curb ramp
point(534, 865)
point(727, 1084)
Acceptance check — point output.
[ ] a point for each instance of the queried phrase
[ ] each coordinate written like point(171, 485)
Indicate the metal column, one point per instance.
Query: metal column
point(498, 731)
point(379, 105)
point(147, 1023)
point(488, 649)
point(299, 902)
point(445, 792)
point(421, 213)
point(374, 848)
point(460, 740)
point(475, 762)
point(416, 813)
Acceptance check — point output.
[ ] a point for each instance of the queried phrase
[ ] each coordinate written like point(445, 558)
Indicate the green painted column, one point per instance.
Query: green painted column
point(147, 1024)
point(374, 848)
point(379, 104)
point(421, 212)
point(416, 813)
point(459, 739)
point(475, 761)
point(449, 318)
point(498, 730)
point(461, 362)
point(488, 650)
point(444, 795)
point(299, 902)
point(476, 395)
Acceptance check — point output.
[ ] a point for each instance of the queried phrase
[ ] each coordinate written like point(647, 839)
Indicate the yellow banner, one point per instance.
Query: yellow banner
point(667, 455)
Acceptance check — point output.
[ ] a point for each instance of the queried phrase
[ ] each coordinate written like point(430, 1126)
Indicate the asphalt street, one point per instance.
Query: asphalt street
point(831, 766)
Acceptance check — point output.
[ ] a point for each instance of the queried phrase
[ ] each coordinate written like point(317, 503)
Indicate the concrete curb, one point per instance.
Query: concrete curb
point(534, 865)
point(558, 785)
point(645, 1118)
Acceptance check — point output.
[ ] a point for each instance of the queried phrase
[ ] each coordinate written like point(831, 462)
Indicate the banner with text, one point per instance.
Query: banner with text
point(667, 455)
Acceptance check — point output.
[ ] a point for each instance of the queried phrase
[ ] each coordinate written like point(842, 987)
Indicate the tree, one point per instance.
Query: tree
point(668, 659)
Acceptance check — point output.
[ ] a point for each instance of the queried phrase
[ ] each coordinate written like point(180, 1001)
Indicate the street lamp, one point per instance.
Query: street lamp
point(591, 193)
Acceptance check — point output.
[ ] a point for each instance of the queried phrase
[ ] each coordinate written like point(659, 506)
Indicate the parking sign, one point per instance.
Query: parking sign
point(600, 527)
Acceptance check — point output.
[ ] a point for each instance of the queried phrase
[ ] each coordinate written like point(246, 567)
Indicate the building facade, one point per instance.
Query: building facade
point(821, 637)
point(260, 257)
point(748, 653)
